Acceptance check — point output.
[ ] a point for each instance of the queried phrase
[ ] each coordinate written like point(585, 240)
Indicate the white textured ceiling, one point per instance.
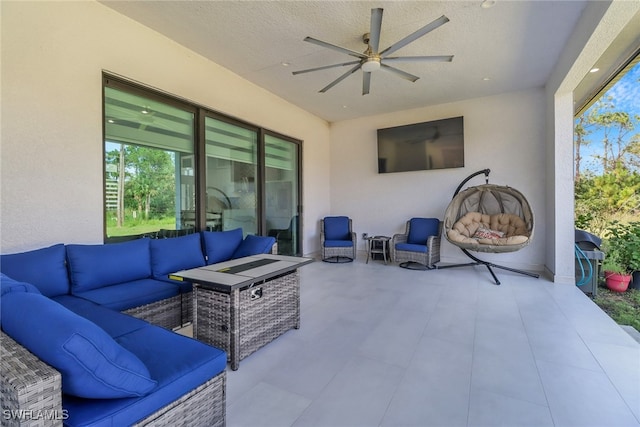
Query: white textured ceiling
point(514, 45)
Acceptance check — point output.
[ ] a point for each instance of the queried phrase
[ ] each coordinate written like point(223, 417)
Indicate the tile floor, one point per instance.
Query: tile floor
point(384, 346)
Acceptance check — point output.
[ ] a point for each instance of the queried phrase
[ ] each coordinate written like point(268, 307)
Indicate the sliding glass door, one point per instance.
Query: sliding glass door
point(231, 172)
point(149, 173)
point(173, 168)
point(281, 193)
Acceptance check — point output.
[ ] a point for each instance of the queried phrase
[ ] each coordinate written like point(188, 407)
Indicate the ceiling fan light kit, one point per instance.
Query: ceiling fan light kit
point(371, 65)
point(372, 59)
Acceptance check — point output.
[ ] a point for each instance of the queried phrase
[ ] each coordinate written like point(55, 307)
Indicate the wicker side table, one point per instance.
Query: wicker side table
point(377, 245)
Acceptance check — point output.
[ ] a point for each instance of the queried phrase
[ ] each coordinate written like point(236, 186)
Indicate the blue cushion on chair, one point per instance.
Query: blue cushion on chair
point(44, 268)
point(338, 243)
point(96, 266)
point(253, 245)
point(410, 247)
point(220, 245)
point(336, 228)
point(92, 364)
point(421, 228)
point(175, 254)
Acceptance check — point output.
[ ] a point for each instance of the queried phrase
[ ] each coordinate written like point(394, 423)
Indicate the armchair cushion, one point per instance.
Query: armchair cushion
point(420, 230)
point(338, 243)
point(411, 247)
point(44, 268)
point(220, 245)
point(92, 364)
point(337, 228)
point(96, 266)
point(175, 254)
point(252, 245)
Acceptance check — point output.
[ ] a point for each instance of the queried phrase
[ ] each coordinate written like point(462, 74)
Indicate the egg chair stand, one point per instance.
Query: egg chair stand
point(493, 206)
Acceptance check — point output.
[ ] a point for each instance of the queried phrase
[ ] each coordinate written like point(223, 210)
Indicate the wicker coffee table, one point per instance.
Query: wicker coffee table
point(243, 304)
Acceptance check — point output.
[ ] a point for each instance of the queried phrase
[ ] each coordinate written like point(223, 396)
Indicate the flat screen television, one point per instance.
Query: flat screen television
point(438, 144)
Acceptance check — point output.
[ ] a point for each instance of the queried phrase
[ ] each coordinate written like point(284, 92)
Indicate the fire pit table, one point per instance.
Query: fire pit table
point(243, 304)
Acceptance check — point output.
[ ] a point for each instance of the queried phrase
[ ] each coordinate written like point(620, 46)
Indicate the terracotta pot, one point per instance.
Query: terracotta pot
point(617, 282)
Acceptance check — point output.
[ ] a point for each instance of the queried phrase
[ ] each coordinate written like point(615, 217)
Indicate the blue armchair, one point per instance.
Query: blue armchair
point(419, 246)
point(337, 239)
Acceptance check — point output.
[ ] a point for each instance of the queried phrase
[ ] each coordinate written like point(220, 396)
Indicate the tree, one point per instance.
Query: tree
point(145, 179)
point(581, 131)
point(151, 180)
point(614, 129)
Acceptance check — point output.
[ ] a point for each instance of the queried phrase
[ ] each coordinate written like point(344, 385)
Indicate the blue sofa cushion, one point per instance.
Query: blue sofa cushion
point(410, 247)
point(92, 364)
point(7, 285)
point(44, 268)
point(421, 228)
point(112, 322)
point(95, 266)
point(220, 245)
point(174, 254)
point(336, 228)
point(124, 296)
point(253, 245)
point(177, 372)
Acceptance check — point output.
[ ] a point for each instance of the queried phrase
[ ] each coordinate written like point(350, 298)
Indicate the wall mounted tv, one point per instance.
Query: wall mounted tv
point(437, 144)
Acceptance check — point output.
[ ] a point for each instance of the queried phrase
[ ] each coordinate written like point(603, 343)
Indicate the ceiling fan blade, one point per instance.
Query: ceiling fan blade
point(415, 35)
point(334, 47)
point(374, 30)
point(441, 58)
point(366, 83)
point(400, 73)
point(339, 79)
point(326, 67)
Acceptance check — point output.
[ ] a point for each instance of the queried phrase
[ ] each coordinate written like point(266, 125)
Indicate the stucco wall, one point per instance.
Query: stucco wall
point(53, 55)
point(504, 133)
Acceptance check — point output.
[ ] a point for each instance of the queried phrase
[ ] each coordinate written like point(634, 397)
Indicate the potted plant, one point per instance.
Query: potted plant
point(619, 260)
point(624, 240)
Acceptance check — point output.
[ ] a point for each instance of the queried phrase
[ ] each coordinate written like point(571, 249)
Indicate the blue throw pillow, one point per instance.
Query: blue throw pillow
point(336, 228)
point(220, 245)
point(7, 285)
point(97, 266)
point(44, 268)
point(92, 364)
point(253, 245)
point(175, 254)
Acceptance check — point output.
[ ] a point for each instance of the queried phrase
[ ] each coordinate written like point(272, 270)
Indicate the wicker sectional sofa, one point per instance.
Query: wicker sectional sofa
point(86, 333)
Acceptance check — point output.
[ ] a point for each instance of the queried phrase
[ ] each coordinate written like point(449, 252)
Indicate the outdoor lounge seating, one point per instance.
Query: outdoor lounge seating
point(337, 239)
point(80, 353)
point(419, 246)
point(489, 218)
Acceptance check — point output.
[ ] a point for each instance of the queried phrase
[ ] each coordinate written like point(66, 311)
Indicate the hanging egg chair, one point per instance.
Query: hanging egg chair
point(488, 218)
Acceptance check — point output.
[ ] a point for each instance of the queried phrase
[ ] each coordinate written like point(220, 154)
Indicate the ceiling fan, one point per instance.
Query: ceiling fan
point(372, 59)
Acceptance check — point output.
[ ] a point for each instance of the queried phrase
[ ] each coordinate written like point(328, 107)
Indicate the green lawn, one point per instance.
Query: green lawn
point(623, 307)
point(141, 227)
